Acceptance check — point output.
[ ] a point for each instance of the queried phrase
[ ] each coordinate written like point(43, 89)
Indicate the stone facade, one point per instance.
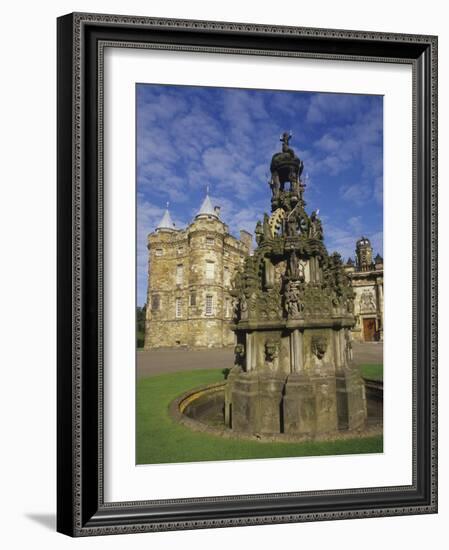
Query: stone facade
point(189, 278)
point(367, 279)
point(207, 239)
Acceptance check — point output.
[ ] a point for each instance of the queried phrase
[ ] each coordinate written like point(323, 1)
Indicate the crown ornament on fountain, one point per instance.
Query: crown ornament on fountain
point(286, 168)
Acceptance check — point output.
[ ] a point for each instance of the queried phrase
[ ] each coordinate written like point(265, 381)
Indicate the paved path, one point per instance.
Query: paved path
point(172, 360)
point(368, 353)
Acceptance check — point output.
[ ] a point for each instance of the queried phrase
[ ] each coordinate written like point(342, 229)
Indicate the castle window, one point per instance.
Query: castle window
point(226, 277)
point(158, 252)
point(155, 302)
point(193, 298)
point(178, 307)
point(210, 241)
point(180, 250)
point(209, 304)
point(179, 274)
point(210, 270)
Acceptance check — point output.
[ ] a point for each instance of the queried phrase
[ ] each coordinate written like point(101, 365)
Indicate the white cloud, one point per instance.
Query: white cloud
point(184, 145)
point(324, 106)
point(355, 222)
point(327, 143)
point(357, 193)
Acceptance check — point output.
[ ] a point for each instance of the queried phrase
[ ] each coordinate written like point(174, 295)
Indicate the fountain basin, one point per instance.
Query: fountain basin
point(202, 409)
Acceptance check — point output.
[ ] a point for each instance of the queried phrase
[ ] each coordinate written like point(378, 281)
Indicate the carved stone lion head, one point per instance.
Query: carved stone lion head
point(319, 346)
point(271, 349)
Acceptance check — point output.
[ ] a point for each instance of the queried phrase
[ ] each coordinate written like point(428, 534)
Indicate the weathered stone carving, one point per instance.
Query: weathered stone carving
point(237, 281)
point(259, 233)
point(236, 309)
point(243, 307)
point(319, 346)
point(285, 166)
point(266, 228)
point(294, 308)
point(348, 350)
point(296, 269)
point(276, 221)
point(316, 227)
point(239, 353)
point(294, 300)
point(271, 350)
point(367, 301)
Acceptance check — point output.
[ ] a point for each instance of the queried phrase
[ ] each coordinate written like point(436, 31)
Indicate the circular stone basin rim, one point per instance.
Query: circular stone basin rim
point(178, 407)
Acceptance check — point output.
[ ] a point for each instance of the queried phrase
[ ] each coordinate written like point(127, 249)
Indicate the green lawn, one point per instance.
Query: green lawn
point(160, 439)
point(372, 372)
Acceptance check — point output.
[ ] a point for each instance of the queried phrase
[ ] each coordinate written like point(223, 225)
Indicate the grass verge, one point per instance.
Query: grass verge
point(372, 372)
point(160, 439)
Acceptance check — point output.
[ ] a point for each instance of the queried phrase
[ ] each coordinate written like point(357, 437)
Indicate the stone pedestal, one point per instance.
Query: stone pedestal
point(326, 404)
point(299, 405)
point(310, 405)
point(351, 399)
point(256, 402)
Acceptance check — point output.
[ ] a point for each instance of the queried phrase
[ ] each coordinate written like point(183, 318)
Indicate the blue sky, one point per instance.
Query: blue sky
point(190, 137)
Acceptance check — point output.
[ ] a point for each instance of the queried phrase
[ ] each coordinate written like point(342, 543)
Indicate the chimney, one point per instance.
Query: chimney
point(217, 211)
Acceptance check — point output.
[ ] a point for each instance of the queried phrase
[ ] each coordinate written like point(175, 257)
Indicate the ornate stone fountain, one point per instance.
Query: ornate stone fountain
point(293, 311)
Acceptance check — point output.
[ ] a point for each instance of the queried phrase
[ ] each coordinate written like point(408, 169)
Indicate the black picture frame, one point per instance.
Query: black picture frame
point(81, 509)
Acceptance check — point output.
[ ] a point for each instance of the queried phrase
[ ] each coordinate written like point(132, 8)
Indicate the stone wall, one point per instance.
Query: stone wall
point(368, 304)
point(191, 323)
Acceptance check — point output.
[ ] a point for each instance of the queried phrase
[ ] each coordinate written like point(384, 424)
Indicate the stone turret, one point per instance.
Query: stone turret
point(166, 223)
point(364, 254)
point(293, 313)
point(207, 209)
point(189, 279)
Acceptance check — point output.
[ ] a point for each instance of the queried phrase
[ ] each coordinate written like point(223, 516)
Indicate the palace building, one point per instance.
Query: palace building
point(189, 279)
point(367, 277)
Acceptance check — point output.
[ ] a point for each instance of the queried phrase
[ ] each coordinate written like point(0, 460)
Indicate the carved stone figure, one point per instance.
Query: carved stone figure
point(266, 228)
point(243, 308)
point(275, 185)
point(348, 342)
point(239, 353)
point(296, 269)
point(367, 302)
point(271, 350)
point(295, 189)
point(319, 346)
point(285, 138)
point(316, 227)
point(259, 232)
point(293, 301)
point(291, 226)
point(350, 303)
point(236, 309)
point(237, 281)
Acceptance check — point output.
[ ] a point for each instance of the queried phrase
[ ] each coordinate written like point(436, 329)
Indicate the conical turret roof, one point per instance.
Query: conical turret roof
point(166, 221)
point(207, 209)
